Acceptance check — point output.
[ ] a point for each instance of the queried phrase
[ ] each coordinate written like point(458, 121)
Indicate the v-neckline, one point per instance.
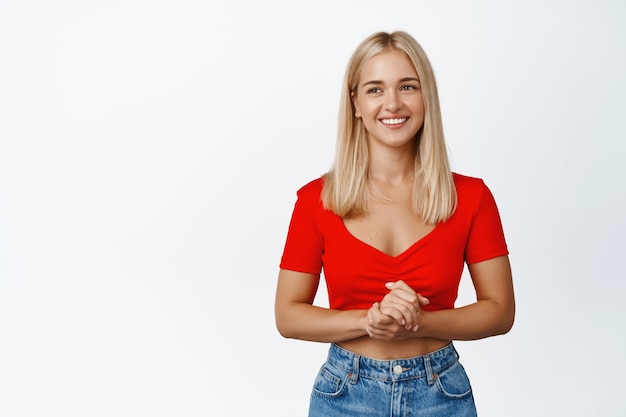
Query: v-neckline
point(375, 250)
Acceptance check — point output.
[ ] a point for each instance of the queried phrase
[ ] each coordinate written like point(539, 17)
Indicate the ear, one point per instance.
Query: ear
point(357, 111)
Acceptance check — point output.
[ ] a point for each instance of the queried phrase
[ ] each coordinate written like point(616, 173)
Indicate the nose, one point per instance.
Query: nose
point(392, 101)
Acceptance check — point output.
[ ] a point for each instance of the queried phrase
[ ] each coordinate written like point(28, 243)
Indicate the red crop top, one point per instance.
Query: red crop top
point(356, 272)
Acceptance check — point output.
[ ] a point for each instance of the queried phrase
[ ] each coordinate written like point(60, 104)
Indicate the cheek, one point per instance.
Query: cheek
point(369, 109)
point(420, 105)
point(421, 110)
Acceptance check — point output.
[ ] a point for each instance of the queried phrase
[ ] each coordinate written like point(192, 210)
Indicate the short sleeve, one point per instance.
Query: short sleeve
point(486, 239)
point(303, 247)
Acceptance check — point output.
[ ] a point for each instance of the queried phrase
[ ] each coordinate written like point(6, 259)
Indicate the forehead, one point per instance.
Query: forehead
point(388, 66)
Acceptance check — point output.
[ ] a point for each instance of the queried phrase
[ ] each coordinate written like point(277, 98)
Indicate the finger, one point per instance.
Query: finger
point(387, 332)
point(407, 293)
point(377, 318)
point(375, 328)
point(400, 297)
point(402, 290)
point(404, 313)
point(395, 313)
point(399, 285)
point(373, 315)
point(423, 301)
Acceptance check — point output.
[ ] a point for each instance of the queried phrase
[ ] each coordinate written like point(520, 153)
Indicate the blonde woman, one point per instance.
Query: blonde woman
point(392, 227)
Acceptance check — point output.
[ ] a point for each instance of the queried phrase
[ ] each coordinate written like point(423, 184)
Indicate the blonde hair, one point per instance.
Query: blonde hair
point(346, 190)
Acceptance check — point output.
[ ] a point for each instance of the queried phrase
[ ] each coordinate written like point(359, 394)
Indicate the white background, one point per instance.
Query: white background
point(149, 156)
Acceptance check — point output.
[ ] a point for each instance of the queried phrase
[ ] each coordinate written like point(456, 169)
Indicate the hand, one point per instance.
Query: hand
point(397, 315)
point(382, 326)
point(403, 304)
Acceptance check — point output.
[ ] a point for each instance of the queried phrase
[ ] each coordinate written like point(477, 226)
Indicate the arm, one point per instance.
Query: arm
point(492, 314)
point(298, 318)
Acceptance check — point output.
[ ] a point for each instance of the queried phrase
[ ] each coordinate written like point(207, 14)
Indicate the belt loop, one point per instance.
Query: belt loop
point(429, 370)
point(456, 352)
point(354, 377)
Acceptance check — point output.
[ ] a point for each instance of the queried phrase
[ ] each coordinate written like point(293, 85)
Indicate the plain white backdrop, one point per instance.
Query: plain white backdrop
point(150, 152)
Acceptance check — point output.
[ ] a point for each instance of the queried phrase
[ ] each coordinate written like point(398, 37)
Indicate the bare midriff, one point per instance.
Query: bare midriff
point(393, 349)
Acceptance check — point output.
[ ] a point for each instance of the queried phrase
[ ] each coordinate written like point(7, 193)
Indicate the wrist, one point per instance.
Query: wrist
point(422, 324)
point(362, 322)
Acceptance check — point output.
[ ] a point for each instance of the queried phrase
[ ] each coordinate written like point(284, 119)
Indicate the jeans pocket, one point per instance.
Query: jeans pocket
point(453, 382)
point(329, 381)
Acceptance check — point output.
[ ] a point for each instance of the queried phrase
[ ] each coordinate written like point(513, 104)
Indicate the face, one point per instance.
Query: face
point(389, 100)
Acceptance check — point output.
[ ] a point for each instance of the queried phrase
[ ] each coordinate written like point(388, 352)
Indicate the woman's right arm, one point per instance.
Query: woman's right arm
point(298, 318)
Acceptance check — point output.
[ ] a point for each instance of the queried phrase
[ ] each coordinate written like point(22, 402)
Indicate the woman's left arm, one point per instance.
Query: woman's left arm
point(492, 314)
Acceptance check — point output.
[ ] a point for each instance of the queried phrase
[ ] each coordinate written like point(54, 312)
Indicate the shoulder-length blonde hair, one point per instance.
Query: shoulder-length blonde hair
point(346, 190)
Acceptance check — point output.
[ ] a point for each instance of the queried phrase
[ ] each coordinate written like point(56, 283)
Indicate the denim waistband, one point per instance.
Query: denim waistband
point(393, 370)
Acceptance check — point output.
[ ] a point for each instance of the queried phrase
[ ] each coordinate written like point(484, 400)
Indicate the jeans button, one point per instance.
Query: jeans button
point(397, 369)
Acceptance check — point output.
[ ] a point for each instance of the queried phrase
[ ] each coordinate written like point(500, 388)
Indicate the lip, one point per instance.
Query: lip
point(394, 122)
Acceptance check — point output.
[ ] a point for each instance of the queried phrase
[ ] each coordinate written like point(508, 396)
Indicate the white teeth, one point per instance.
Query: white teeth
point(393, 121)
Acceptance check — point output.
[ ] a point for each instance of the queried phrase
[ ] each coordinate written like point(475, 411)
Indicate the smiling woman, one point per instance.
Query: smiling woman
point(389, 101)
point(392, 227)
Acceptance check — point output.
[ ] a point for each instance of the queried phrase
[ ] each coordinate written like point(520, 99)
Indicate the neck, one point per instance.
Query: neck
point(392, 166)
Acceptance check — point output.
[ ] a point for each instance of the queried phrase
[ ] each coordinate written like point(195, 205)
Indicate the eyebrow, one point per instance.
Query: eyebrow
point(402, 80)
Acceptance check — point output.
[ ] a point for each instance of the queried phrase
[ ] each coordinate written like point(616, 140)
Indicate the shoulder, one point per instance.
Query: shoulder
point(471, 191)
point(311, 190)
point(468, 186)
point(309, 202)
point(465, 182)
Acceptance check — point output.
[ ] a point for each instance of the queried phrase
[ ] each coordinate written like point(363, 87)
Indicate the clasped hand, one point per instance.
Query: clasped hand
point(396, 316)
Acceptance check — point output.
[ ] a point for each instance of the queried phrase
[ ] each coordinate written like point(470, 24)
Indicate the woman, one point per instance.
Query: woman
point(392, 228)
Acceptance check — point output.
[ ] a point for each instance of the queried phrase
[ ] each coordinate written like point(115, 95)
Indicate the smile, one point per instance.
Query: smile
point(393, 121)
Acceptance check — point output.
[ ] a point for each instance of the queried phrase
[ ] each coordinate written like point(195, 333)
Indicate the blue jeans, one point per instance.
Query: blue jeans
point(431, 385)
